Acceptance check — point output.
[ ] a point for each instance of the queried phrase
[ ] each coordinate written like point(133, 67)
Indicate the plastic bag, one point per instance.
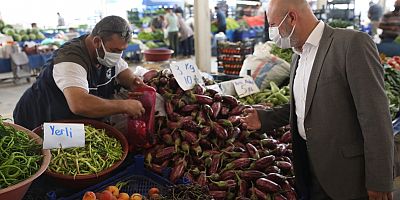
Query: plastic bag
point(141, 131)
point(265, 67)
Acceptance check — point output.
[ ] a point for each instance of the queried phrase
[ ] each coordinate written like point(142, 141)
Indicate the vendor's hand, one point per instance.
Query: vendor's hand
point(135, 95)
point(133, 108)
point(137, 82)
point(373, 195)
point(251, 119)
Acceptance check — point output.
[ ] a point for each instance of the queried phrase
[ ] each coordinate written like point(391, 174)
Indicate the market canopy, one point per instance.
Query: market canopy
point(162, 2)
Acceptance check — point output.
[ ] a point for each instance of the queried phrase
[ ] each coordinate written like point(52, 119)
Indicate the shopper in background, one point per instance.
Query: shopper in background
point(178, 9)
point(260, 10)
point(390, 24)
point(72, 33)
point(157, 23)
point(34, 26)
point(186, 36)
point(61, 21)
point(339, 114)
point(172, 27)
point(221, 20)
point(375, 13)
point(80, 78)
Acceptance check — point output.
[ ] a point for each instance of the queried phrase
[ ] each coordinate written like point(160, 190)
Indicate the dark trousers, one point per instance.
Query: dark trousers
point(221, 29)
point(187, 47)
point(316, 190)
point(174, 42)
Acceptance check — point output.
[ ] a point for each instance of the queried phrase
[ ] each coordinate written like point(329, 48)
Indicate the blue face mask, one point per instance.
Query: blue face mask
point(110, 59)
point(275, 36)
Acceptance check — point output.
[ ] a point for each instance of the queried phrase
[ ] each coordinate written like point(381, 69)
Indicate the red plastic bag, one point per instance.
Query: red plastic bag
point(141, 131)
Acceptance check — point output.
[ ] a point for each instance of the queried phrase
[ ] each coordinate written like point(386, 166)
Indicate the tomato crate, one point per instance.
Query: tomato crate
point(138, 179)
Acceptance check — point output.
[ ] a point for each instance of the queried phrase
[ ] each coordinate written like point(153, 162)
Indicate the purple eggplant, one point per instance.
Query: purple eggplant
point(220, 132)
point(203, 99)
point(224, 111)
point(216, 107)
point(263, 162)
point(267, 185)
point(238, 110)
point(190, 108)
point(230, 100)
point(235, 120)
point(286, 137)
point(198, 89)
point(189, 137)
point(216, 159)
point(253, 152)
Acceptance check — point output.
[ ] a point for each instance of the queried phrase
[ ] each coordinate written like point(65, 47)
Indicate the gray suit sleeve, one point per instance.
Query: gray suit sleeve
point(366, 81)
point(274, 118)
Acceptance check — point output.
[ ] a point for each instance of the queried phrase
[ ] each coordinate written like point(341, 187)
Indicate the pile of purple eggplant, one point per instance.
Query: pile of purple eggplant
point(203, 140)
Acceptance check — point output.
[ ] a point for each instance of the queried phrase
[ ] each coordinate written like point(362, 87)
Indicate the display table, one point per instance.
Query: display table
point(38, 60)
point(35, 61)
point(131, 51)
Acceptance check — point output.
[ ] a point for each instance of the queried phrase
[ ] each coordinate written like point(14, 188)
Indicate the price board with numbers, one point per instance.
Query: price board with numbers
point(245, 86)
point(186, 74)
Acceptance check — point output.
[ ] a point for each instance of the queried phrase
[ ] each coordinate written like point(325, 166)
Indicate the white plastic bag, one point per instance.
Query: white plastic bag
point(265, 67)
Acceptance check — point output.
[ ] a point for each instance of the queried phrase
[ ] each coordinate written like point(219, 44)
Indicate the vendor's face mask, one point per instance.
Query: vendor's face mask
point(110, 59)
point(275, 35)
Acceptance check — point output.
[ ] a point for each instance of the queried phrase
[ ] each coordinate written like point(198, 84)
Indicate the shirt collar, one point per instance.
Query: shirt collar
point(314, 38)
point(316, 34)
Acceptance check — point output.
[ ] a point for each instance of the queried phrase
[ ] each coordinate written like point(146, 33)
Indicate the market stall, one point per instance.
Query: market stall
point(195, 146)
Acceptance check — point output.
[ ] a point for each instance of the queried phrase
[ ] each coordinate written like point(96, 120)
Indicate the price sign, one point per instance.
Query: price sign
point(63, 135)
point(214, 87)
point(186, 74)
point(245, 86)
point(227, 88)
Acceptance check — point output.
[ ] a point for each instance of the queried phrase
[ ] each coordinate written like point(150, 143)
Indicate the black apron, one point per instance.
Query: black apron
point(45, 102)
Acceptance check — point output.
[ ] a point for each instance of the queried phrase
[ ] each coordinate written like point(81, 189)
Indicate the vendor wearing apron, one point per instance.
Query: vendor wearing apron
point(80, 78)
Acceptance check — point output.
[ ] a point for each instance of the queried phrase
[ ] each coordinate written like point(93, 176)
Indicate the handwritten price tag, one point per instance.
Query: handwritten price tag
point(63, 135)
point(227, 88)
point(245, 86)
point(186, 74)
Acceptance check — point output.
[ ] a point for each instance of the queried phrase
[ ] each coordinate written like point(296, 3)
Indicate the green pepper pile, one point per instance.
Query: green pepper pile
point(285, 54)
point(392, 87)
point(100, 152)
point(20, 156)
point(269, 97)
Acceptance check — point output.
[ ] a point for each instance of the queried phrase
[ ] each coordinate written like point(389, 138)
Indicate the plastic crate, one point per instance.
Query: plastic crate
point(138, 178)
point(5, 65)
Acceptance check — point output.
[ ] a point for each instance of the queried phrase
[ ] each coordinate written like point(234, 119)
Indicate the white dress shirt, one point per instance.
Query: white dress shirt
point(303, 71)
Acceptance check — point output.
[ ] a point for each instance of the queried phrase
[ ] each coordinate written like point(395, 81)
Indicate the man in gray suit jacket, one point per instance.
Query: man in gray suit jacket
point(341, 127)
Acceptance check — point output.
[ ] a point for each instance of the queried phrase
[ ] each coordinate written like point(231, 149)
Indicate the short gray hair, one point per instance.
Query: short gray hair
point(110, 25)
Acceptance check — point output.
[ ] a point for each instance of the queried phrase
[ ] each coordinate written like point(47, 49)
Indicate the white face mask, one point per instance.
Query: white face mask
point(110, 59)
point(275, 36)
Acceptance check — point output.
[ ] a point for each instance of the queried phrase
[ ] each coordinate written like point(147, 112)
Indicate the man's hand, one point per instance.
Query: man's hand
point(373, 195)
point(136, 83)
point(251, 119)
point(133, 108)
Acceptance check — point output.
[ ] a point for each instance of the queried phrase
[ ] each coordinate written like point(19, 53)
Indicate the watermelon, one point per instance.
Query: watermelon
point(35, 31)
point(1, 24)
point(40, 36)
point(32, 36)
point(22, 32)
point(25, 37)
point(9, 32)
point(17, 37)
